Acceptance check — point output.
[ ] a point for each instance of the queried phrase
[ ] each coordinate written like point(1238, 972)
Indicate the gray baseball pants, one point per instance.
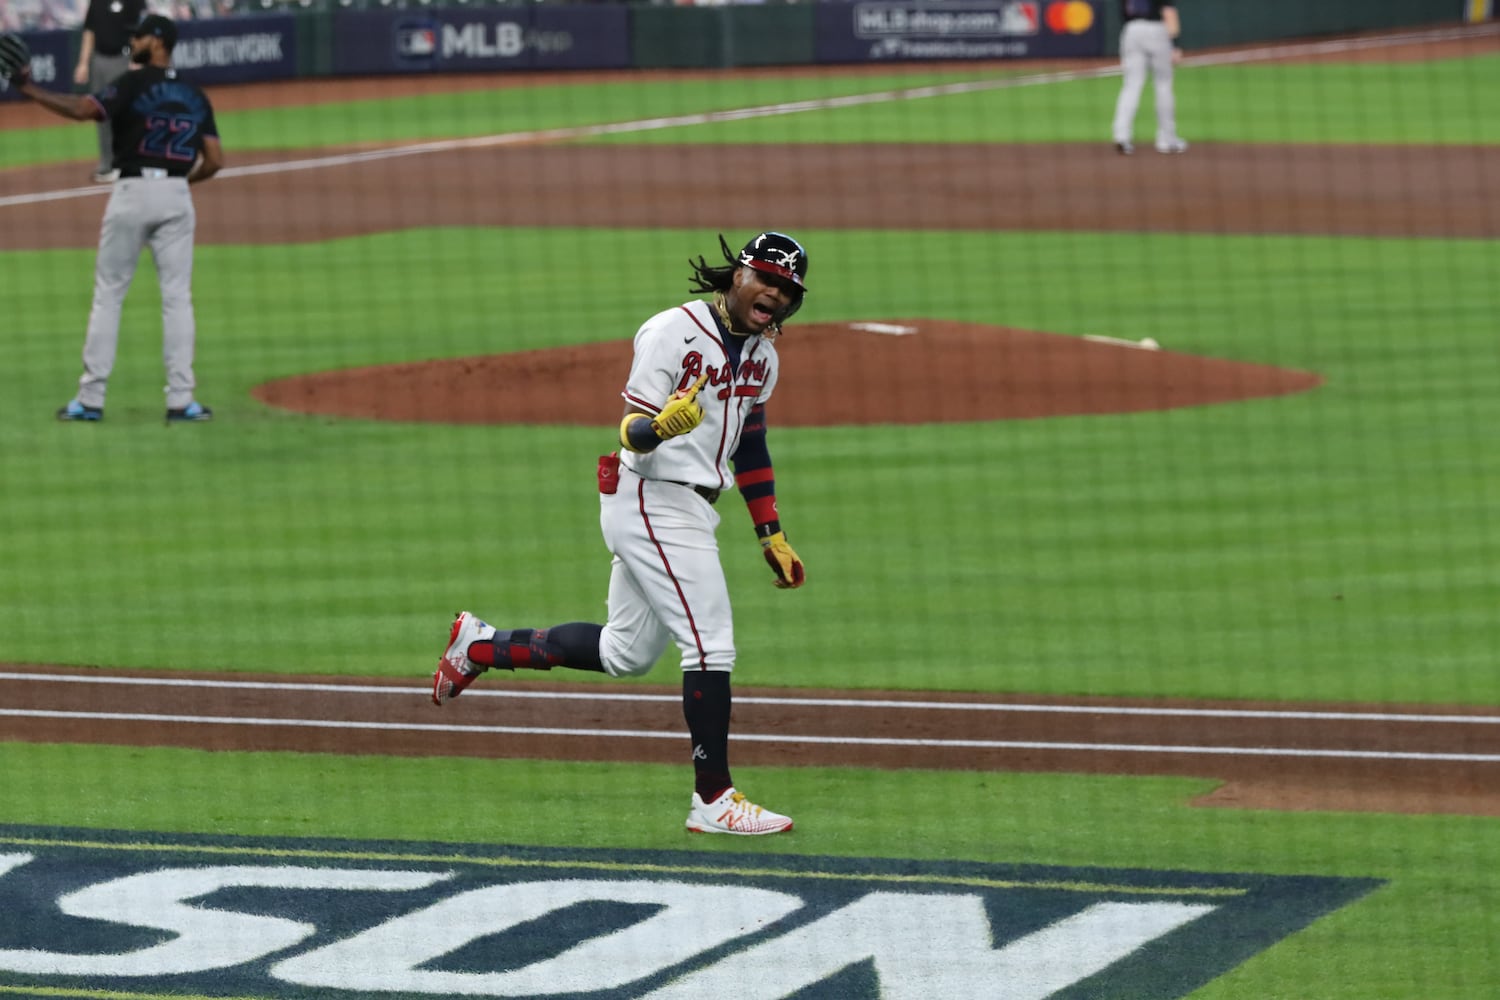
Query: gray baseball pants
point(1145, 47)
point(154, 212)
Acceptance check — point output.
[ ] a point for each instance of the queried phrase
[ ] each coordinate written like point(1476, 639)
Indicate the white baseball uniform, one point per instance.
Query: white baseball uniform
point(666, 581)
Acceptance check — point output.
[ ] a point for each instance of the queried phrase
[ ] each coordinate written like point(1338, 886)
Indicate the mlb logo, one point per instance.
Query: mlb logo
point(417, 40)
point(1021, 19)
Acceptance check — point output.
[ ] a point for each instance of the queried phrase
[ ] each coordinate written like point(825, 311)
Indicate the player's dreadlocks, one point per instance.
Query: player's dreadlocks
point(711, 278)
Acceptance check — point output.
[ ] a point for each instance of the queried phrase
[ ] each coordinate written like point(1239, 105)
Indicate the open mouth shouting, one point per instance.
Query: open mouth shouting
point(766, 300)
point(763, 310)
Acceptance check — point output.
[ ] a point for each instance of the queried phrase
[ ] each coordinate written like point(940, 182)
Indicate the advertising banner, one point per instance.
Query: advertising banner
point(237, 49)
point(458, 40)
point(887, 31)
point(51, 64)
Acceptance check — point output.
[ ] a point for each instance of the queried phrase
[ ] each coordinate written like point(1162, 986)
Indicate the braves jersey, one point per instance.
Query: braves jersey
point(158, 120)
point(1143, 10)
point(672, 349)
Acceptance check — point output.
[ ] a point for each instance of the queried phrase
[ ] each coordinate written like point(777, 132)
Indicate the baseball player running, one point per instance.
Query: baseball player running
point(165, 139)
point(695, 406)
point(1148, 43)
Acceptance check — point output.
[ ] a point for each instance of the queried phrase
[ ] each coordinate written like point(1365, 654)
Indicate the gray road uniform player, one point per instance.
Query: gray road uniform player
point(165, 138)
point(1148, 46)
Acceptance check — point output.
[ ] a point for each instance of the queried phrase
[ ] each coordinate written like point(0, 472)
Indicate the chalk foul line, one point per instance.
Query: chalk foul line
point(777, 738)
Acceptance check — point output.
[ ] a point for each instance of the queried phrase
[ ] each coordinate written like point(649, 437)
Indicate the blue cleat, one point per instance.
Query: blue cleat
point(194, 412)
point(76, 411)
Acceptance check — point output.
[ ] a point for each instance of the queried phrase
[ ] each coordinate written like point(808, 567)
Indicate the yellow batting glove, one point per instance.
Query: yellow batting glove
point(784, 562)
point(682, 412)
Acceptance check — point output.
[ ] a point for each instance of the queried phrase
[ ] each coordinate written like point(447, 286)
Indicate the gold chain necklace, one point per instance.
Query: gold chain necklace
point(722, 307)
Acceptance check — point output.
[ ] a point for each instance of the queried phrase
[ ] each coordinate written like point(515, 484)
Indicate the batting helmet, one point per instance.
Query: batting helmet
point(778, 254)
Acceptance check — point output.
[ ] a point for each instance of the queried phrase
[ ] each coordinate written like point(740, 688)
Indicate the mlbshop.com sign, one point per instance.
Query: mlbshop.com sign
point(884, 21)
point(1002, 29)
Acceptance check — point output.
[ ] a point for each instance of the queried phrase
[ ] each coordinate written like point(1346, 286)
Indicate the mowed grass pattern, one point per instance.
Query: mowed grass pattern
point(1337, 544)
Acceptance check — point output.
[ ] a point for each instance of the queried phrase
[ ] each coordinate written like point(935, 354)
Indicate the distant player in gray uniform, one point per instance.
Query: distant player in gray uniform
point(165, 138)
point(1148, 44)
point(103, 54)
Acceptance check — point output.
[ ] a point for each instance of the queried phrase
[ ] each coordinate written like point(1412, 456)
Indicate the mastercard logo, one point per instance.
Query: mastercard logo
point(1070, 17)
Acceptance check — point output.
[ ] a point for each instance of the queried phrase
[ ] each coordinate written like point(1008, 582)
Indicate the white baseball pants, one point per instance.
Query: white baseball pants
point(666, 582)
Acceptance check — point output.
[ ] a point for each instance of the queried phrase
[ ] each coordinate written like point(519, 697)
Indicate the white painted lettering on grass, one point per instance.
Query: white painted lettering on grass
point(927, 946)
point(637, 925)
point(205, 938)
point(690, 919)
point(9, 861)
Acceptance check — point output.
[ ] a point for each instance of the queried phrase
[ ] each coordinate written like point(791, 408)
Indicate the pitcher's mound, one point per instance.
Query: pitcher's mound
point(879, 371)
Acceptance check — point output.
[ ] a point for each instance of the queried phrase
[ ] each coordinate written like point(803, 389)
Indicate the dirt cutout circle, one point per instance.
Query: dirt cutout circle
point(898, 371)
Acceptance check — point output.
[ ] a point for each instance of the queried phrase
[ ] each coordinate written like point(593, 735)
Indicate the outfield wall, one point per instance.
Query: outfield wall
point(1213, 24)
point(316, 42)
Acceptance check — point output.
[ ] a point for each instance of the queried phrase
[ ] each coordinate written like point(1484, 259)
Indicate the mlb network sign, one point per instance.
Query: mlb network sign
point(91, 914)
point(238, 49)
point(540, 37)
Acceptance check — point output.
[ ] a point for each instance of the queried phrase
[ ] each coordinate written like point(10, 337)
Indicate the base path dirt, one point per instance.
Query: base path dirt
point(1218, 188)
point(1273, 756)
point(1395, 191)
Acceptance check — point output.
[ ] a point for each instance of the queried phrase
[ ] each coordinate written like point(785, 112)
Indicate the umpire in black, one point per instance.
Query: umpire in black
point(103, 55)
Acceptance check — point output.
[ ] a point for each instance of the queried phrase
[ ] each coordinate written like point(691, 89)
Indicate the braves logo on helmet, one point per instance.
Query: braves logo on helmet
point(785, 258)
point(778, 254)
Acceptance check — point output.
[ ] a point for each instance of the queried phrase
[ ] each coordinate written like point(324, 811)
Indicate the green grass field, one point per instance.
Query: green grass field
point(1335, 545)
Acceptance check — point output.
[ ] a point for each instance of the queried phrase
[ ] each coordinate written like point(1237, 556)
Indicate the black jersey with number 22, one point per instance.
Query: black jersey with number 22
point(159, 121)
